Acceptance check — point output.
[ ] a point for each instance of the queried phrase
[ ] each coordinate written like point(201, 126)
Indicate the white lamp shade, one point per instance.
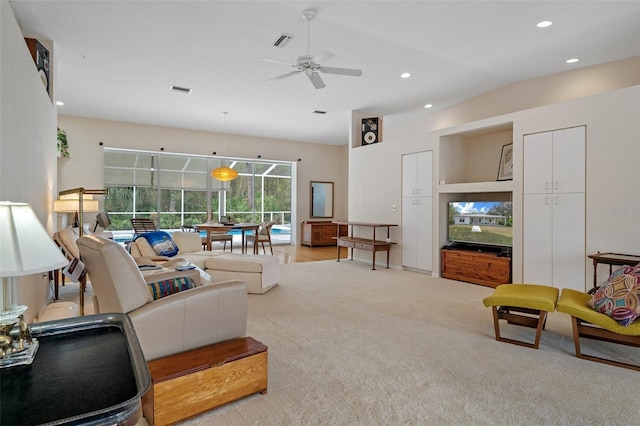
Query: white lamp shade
point(25, 246)
point(73, 205)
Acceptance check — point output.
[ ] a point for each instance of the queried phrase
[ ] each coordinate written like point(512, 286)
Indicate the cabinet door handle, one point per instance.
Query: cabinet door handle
point(546, 186)
point(555, 201)
point(546, 201)
point(419, 191)
point(556, 185)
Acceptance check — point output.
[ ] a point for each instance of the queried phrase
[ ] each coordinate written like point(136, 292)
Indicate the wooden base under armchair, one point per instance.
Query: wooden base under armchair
point(193, 382)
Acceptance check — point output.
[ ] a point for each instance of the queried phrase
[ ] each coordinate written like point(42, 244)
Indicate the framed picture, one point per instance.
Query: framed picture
point(505, 172)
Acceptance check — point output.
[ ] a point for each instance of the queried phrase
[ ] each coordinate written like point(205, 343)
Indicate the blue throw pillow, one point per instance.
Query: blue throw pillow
point(161, 243)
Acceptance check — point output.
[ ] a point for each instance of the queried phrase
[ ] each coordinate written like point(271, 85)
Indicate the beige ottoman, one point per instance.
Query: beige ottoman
point(260, 272)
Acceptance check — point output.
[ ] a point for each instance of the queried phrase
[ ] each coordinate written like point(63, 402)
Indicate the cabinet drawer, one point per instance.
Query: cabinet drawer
point(365, 246)
point(346, 243)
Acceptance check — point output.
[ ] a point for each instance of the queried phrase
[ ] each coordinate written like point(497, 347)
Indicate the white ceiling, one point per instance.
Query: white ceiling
point(117, 59)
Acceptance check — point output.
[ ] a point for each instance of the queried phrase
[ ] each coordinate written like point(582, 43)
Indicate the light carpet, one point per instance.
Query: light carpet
point(352, 346)
point(348, 345)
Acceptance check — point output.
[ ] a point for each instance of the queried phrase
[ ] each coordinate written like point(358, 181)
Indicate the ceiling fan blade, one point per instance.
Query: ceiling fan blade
point(315, 79)
point(277, 61)
point(321, 57)
point(342, 71)
point(280, 77)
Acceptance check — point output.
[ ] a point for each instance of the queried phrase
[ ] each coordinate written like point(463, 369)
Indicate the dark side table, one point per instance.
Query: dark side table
point(610, 259)
point(87, 371)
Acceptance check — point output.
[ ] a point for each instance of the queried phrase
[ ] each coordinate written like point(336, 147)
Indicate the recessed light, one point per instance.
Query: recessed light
point(544, 24)
point(572, 60)
point(428, 106)
point(405, 75)
point(59, 103)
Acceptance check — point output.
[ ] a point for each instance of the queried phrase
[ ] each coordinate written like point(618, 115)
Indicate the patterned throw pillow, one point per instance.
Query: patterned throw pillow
point(619, 296)
point(161, 243)
point(163, 288)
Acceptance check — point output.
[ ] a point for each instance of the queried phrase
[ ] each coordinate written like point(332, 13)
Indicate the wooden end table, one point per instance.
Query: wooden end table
point(611, 259)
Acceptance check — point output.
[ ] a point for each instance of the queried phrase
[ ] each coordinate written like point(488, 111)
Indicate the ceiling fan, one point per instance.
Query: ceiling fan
point(312, 65)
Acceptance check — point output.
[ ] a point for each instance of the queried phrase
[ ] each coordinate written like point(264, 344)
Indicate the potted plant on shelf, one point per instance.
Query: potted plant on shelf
point(63, 145)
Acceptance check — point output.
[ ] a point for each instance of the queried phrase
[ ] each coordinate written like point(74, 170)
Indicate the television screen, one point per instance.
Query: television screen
point(481, 222)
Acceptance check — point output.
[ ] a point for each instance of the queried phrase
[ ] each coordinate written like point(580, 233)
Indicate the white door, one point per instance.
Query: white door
point(538, 157)
point(409, 169)
point(537, 249)
point(569, 254)
point(569, 160)
point(424, 178)
point(424, 246)
point(409, 232)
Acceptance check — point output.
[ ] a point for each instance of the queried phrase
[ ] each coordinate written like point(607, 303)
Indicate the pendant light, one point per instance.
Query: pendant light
point(223, 173)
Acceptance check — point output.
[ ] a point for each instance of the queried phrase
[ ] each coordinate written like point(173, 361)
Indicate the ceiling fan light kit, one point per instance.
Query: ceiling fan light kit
point(312, 65)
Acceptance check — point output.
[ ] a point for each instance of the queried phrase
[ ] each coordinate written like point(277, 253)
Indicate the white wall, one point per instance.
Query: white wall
point(27, 142)
point(613, 133)
point(84, 168)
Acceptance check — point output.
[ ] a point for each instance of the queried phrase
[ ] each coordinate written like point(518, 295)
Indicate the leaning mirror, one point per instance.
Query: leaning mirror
point(321, 199)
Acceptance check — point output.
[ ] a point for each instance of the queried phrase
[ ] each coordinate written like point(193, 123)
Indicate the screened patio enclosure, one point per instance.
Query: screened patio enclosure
point(177, 190)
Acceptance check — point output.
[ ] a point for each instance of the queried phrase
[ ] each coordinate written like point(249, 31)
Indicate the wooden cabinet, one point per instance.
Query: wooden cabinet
point(417, 216)
point(476, 267)
point(554, 209)
point(321, 233)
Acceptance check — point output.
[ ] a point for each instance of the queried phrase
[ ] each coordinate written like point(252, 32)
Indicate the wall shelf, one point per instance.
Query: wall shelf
point(476, 187)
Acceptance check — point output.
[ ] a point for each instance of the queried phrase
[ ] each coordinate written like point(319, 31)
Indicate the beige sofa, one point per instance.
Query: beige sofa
point(260, 272)
point(172, 324)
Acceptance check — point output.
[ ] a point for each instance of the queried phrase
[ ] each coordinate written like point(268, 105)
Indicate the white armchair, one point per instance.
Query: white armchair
point(186, 320)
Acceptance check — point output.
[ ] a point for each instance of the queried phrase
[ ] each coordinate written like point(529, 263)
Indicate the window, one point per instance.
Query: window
point(177, 190)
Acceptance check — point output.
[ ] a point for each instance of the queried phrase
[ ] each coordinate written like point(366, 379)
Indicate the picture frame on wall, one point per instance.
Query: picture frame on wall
point(505, 171)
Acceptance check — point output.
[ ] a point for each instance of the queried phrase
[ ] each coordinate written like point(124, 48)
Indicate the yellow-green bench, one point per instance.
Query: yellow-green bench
point(522, 304)
point(594, 325)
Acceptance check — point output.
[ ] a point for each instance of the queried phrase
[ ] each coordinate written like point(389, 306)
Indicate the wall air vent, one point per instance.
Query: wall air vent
point(282, 40)
point(180, 89)
point(319, 112)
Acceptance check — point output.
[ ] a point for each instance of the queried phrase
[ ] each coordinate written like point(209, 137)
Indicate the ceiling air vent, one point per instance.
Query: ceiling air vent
point(282, 40)
point(180, 89)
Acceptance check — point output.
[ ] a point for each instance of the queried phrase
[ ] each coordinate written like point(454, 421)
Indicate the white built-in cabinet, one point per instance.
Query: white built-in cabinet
point(417, 214)
point(554, 208)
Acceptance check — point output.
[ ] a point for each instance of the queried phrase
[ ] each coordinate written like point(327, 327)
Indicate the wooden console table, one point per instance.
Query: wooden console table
point(369, 244)
point(611, 259)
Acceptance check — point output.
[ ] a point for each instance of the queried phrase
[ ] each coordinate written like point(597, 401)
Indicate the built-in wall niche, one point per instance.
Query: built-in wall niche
point(366, 129)
point(473, 156)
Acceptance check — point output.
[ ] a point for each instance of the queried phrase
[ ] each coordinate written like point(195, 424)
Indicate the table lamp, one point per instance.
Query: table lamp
point(25, 249)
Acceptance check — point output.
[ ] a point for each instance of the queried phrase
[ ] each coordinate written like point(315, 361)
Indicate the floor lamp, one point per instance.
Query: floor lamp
point(82, 199)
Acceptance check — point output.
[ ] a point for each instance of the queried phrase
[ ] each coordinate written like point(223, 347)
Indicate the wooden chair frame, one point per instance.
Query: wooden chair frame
point(142, 224)
point(582, 328)
point(534, 319)
point(263, 235)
